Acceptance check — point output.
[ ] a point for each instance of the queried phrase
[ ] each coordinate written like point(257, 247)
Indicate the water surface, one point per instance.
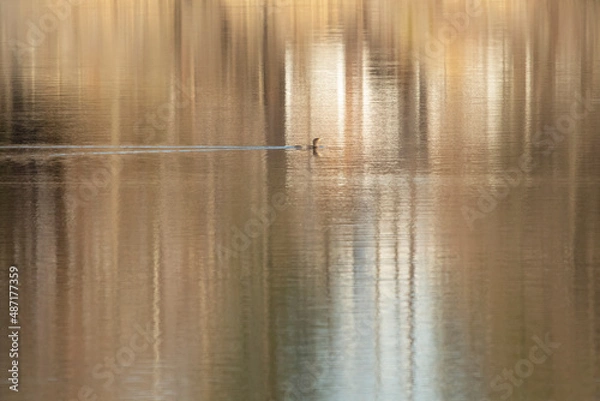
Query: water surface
point(443, 245)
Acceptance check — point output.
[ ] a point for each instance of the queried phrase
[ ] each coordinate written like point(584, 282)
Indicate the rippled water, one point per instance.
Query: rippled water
point(173, 245)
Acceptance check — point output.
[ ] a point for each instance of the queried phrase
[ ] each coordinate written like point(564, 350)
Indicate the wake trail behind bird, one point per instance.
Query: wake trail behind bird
point(94, 150)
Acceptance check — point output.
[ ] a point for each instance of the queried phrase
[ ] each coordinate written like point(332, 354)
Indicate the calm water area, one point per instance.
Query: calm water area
point(171, 243)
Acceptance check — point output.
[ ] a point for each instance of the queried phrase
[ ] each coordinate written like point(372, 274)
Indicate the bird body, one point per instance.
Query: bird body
point(314, 145)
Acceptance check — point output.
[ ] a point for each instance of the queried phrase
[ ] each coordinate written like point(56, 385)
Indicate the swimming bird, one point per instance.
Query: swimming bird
point(312, 147)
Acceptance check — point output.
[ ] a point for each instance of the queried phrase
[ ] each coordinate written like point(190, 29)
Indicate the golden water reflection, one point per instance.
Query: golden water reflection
point(379, 270)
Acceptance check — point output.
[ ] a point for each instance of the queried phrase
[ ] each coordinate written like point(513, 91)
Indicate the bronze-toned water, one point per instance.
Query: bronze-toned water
point(442, 245)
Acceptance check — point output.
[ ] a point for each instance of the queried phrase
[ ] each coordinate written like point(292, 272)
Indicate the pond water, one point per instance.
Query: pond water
point(172, 244)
